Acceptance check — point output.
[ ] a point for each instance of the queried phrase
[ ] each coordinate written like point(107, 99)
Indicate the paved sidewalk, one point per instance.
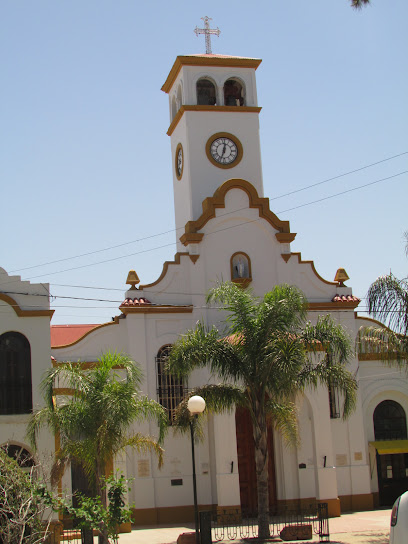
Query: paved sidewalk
point(370, 527)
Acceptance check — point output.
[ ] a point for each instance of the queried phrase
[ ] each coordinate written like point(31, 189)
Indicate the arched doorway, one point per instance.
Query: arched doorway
point(390, 425)
point(246, 464)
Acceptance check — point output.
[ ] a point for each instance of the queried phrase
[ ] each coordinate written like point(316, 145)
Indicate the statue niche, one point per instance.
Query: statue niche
point(241, 269)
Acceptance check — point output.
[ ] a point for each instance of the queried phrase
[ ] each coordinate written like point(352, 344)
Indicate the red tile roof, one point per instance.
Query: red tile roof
point(345, 298)
point(135, 301)
point(62, 335)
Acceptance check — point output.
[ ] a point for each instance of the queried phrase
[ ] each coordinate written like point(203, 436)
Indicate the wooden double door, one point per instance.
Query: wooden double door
point(246, 464)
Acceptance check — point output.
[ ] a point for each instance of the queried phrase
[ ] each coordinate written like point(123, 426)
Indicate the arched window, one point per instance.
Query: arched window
point(22, 456)
point(15, 374)
point(173, 108)
point(233, 93)
point(170, 390)
point(390, 422)
point(206, 93)
point(179, 99)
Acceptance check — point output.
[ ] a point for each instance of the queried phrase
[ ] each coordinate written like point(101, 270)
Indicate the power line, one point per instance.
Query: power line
point(216, 231)
point(181, 228)
point(337, 177)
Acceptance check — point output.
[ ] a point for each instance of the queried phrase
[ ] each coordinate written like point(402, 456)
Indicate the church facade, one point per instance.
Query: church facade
point(226, 231)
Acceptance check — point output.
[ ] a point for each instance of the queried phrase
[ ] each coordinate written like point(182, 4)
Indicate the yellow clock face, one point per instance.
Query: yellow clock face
point(179, 161)
point(224, 150)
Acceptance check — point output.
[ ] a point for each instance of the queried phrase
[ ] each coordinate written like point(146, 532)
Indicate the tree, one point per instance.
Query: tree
point(93, 418)
point(358, 4)
point(21, 506)
point(387, 300)
point(264, 359)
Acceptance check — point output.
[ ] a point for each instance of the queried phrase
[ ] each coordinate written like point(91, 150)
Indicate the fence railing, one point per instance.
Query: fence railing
point(291, 524)
point(57, 534)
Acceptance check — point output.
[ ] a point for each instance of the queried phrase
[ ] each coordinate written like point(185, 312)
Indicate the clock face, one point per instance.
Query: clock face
point(179, 161)
point(224, 150)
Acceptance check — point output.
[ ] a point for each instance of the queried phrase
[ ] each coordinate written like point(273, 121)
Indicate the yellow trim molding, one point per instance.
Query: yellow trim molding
point(114, 322)
point(159, 309)
point(179, 175)
point(357, 503)
point(166, 265)
point(231, 137)
point(167, 514)
point(390, 446)
point(25, 313)
point(214, 109)
point(299, 256)
point(333, 306)
point(211, 203)
point(206, 60)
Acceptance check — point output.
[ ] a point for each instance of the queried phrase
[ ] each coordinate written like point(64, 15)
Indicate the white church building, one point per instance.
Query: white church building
point(226, 231)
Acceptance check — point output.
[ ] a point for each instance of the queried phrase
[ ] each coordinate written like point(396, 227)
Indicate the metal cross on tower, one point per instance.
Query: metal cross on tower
point(207, 31)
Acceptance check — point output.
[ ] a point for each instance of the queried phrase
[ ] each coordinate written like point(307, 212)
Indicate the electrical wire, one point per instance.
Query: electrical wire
point(216, 231)
point(181, 228)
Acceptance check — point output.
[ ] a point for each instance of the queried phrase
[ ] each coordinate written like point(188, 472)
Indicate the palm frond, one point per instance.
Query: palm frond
point(240, 304)
point(328, 373)
point(391, 347)
point(218, 399)
point(283, 416)
point(202, 347)
point(330, 336)
point(358, 4)
point(143, 444)
point(388, 302)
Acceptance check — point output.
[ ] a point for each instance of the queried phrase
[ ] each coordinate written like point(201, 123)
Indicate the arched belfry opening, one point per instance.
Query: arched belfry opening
point(390, 431)
point(206, 92)
point(234, 93)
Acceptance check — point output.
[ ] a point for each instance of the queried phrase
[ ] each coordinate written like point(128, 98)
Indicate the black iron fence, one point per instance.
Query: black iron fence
point(287, 524)
point(57, 534)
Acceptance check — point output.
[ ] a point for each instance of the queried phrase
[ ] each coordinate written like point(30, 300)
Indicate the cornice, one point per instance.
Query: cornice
point(25, 313)
point(333, 306)
point(157, 309)
point(210, 204)
point(213, 109)
point(193, 60)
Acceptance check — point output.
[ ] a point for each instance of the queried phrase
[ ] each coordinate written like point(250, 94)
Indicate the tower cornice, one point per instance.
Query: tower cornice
point(207, 60)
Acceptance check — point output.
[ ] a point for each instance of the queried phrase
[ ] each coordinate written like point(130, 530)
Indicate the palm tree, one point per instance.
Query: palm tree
point(264, 359)
point(93, 417)
point(387, 300)
point(358, 4)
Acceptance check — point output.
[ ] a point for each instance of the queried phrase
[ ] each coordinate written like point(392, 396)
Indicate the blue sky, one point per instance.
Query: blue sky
point(85, 161)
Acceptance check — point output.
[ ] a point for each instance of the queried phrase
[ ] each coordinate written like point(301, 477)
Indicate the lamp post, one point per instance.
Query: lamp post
point(195, 405)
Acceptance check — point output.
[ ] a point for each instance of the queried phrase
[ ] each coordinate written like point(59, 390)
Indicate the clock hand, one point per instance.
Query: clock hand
point(223, 151)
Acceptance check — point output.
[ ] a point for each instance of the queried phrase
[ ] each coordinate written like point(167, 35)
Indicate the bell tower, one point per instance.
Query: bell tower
point(214, 128)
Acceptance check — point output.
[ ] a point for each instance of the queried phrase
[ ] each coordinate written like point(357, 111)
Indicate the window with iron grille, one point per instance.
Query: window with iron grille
point(15, 374)
point(334, 401)
point(170, 390)
point(390, 422)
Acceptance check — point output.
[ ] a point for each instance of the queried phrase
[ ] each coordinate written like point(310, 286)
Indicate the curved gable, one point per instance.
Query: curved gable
point(25, 313)
point(210, 204)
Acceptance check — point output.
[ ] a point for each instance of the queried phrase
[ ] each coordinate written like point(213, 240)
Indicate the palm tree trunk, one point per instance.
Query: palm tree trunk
point(101, 491)
point(261, 466)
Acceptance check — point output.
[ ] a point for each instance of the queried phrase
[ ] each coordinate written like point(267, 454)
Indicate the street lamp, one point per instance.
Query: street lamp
point(195, 405)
